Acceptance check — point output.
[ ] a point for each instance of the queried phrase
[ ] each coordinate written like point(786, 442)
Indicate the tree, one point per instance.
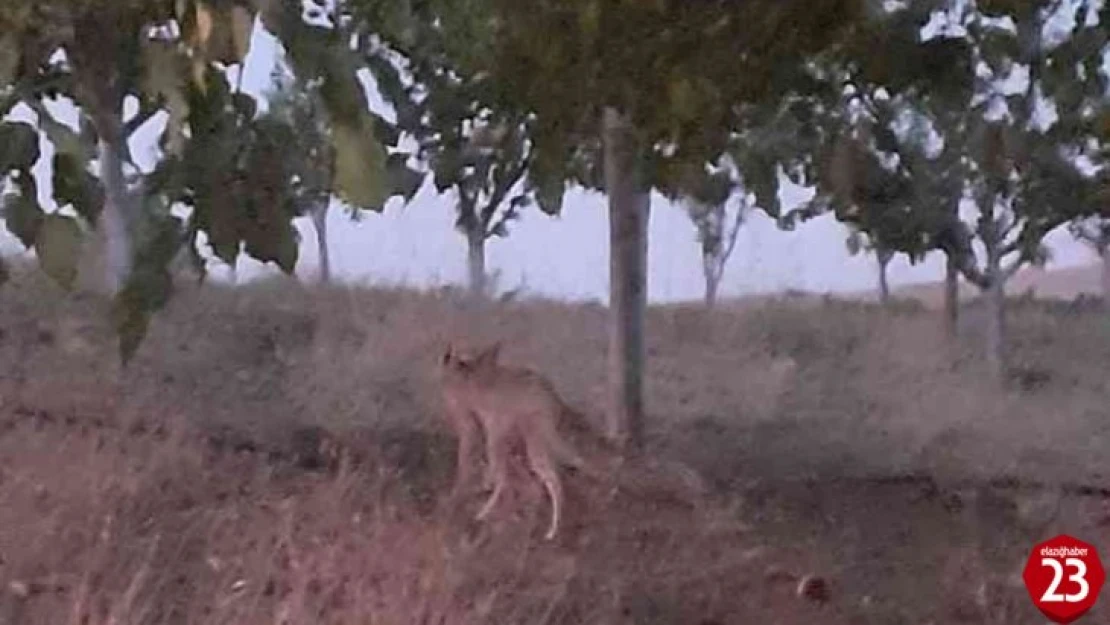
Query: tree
point(1084, 92)
point(482, 157)
point(858, 242)
point(633, 91)
point(161, 53)
point(260, 172)
point(1095, 232)
point(875, 160)
point(311, 157)
point(301, 104)
point(1025, 181)
point(1017, 171)
point(478, 153)
point(717, 230)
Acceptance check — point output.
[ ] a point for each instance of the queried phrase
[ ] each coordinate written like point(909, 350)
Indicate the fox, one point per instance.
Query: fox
point(504, 406)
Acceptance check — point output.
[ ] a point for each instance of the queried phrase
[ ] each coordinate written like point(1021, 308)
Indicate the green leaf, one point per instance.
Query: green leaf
point(74, 185)
point(19, 146)
point(683, 100)
point(221, 220)
point(446, 169)
point(1017, 9)
point(760, 175)
point(393, 90)
point(359, 165)
point(241, 25)
point(150, 285)
point(164, 81)
point(218, 31)
point(546, 175)
point(315, 52)
point(269, 200)
point(277, 242)
point(65, 139)
point(1000, 49)
point(58, 247)
point(244, 104)
point(22, 213)
point(403, 180)
point(386, 132)
point(589, 19)
point(9, 57)
point(549, 195)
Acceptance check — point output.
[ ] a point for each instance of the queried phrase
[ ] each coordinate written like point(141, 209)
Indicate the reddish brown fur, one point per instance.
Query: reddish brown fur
point(508, 405)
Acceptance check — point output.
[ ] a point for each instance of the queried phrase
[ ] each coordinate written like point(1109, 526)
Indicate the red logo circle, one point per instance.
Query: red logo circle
point(1064, 577)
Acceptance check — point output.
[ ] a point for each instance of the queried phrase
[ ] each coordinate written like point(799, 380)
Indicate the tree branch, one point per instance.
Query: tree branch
point(972, 273)
point(734, 232)
point(500, 192)
point(31, 92)
point(467, 219)
point(955, 241)
point(505, 218)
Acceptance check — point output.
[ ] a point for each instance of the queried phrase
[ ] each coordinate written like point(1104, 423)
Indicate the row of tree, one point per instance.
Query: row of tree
point(968, 127)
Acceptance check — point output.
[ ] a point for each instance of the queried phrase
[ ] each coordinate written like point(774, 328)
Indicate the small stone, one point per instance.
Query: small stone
point(813, 588)
point(19, 589)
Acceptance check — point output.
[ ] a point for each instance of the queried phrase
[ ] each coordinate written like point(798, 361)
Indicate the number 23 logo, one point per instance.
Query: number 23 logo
point(1079, 577)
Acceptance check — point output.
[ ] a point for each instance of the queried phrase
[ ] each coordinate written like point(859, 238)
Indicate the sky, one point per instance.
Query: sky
point(563, 257)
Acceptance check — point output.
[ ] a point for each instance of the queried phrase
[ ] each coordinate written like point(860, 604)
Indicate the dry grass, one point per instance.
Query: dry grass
point(188, 488)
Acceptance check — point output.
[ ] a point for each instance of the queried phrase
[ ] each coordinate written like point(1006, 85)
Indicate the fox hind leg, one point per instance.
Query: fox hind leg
point(497, 470)
point(467, 431)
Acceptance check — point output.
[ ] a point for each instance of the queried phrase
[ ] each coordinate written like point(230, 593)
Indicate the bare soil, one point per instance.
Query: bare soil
point(199, 484)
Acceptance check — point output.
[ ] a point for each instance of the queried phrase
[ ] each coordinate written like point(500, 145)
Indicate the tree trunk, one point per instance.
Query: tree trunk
point(996, 318)
point(996, 330)
point(97, 55)
point(118, 215)
point(712, 283)
point(884, 284)
point(1105, 254)
point(629, 206)
point(476, 261)
point(951, 296)
point(320, 222)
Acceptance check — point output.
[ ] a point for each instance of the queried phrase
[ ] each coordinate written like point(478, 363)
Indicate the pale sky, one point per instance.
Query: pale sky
point(563, 257)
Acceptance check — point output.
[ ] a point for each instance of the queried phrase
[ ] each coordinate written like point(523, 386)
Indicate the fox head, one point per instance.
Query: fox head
point(465, 361)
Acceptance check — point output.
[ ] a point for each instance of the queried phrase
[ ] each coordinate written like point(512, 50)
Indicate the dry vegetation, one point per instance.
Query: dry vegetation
point(191, 487)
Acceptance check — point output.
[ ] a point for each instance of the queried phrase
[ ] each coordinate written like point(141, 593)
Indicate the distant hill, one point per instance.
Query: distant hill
point(1062, 283)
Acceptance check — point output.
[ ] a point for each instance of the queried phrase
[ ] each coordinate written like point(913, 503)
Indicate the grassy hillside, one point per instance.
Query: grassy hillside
point(191, 486)
point(1058, 283)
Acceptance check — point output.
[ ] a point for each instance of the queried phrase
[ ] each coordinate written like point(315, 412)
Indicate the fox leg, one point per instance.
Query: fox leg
point(497, 471)
point(466, 431)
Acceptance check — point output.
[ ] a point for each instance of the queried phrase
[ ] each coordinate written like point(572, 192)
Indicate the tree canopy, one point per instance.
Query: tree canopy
point(900, 115)
point(169, 57)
